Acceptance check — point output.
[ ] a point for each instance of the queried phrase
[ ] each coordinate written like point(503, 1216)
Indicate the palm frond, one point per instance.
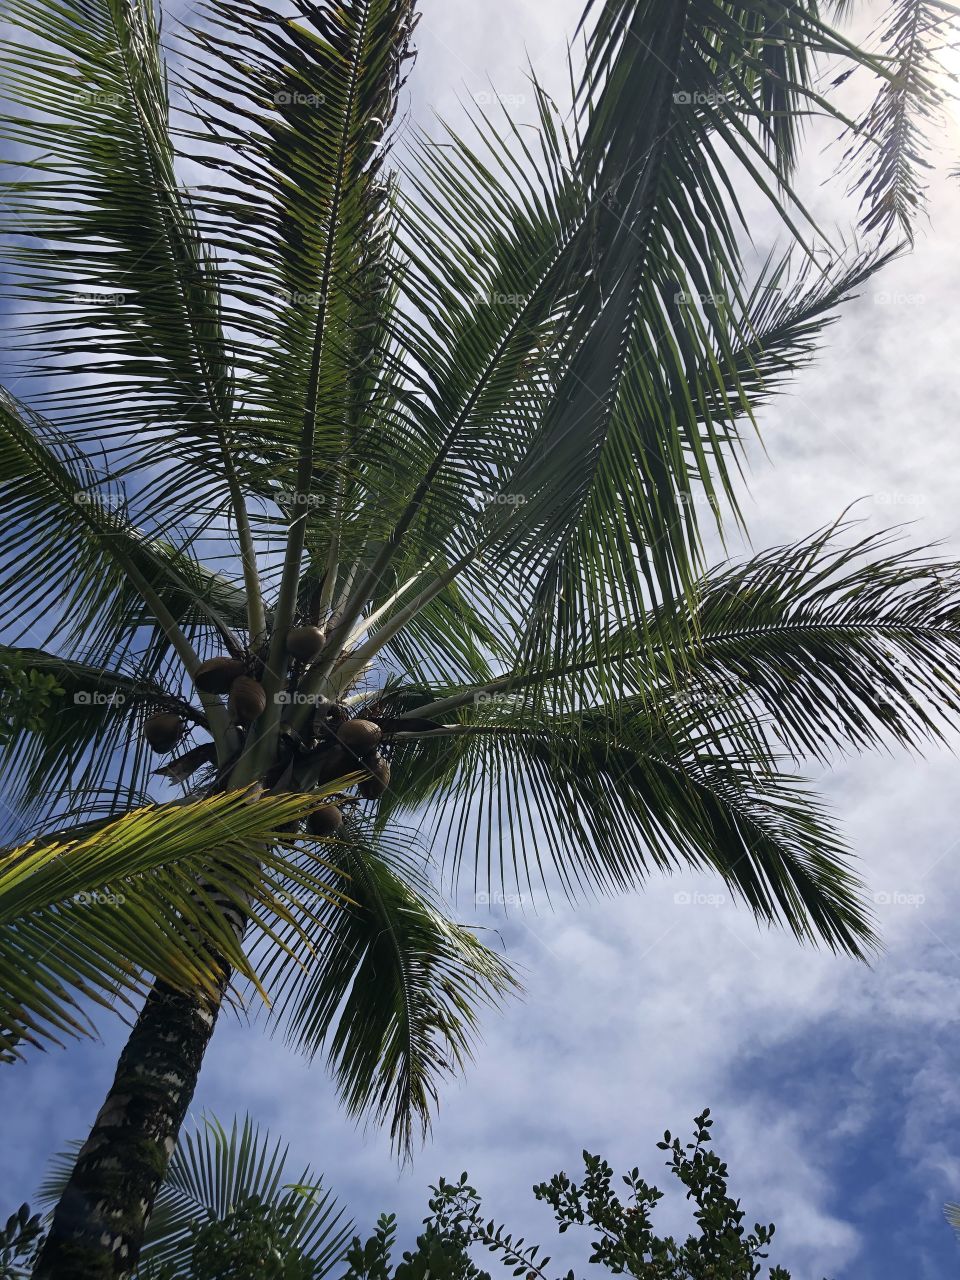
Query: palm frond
point(393, 989)
point(891, 145)
point(291, 114)
point(580, 301)
point(82, 740)
point(827, 646)
point(595, 800)
point(157, 891)
point(67, 531)
point(122, 258)
point(214, 1173)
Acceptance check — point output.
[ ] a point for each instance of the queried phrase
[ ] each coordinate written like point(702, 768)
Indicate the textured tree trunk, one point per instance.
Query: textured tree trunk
point(98, 1226)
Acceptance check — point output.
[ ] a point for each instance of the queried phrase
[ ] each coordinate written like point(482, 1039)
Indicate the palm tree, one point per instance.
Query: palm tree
point(231, 1205)
point(413, 469)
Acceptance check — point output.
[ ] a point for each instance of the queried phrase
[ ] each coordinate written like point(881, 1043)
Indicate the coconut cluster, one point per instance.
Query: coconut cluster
point(344, 745)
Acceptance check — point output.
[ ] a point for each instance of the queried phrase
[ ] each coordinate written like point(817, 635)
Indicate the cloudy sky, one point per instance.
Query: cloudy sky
point(834, 1086)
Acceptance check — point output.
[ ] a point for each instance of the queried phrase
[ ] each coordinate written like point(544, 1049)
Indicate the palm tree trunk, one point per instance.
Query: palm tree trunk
point(98, 1225)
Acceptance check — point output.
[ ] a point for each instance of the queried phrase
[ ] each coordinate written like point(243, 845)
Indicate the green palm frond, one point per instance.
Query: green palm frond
point(122, 259)
point(67, 531)
point(891, 147)
point(214, 1174)
point(829, 646)
point(80, 741)
point(393, 989)
point(579, 301)
point(598, 799)
point(88, 919)
point(290, 114)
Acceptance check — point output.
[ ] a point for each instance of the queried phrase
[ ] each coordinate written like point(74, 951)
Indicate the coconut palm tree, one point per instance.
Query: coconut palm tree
point(366, 495)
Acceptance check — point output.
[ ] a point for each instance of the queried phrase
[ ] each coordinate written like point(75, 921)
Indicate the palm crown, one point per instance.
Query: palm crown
point(412, 464)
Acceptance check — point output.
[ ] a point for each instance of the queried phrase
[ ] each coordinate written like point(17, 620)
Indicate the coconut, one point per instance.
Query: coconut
point(374, 786)
point(217, 675)
point(164, 730)
point(305, 643)
point(247, 699)
point(333, 764)
point(325, 821)
point(359, 736)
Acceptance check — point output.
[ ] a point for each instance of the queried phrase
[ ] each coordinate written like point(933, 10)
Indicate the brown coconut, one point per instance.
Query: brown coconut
point(305, 643)
point(333, 764)
point(325, 821)
point(248, 700)
point(217, 675)
point(164, 730)
point(372, 788)
point(359, 736)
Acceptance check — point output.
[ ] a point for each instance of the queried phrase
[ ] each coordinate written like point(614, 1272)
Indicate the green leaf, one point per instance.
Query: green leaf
point(393, 989)
point(158, 891)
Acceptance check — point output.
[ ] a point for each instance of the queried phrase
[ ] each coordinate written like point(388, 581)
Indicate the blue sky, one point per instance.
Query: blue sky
point(834, 1086)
